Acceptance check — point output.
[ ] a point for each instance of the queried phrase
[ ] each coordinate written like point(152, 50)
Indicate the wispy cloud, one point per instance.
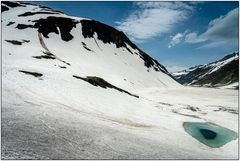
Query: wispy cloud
point(153, 19)
point(214, 44)
point(179, 37)
point(221, 31)
point(175, 40)
point(224, 27)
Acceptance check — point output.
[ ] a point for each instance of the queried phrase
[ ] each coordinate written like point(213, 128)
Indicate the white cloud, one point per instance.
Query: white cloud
point(178, 38)
point(193, 37)
point(223, 28)
point(175, 40)
point(221, 31)
point(153, 19)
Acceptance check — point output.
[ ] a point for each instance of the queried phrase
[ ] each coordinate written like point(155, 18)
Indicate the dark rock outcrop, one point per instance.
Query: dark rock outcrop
point(62, 67)
point(27, 41)
point(96, 81)
point(35, 13)
point(14, 42)
point(4, 8)
point(35, 74)
point(85, 46)
point(12, 4)
point(44, 57)
point(50, 24)
point(10, 23)
point(23, 26)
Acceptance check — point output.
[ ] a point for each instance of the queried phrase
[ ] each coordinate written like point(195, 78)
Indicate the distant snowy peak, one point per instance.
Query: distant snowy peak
point(219, 73)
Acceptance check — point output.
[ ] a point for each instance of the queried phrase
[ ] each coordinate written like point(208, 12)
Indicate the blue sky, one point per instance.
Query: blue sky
point(177, 34)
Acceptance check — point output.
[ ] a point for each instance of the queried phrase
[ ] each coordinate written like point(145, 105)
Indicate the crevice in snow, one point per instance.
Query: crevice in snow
point(97, 43)
point(48, 52)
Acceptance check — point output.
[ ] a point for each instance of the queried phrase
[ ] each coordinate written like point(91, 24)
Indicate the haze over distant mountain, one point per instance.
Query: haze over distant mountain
point(224, 72)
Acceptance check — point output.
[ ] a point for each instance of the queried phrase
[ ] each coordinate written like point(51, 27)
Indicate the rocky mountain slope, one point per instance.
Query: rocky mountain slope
point(224, 72)
point(74, 88)
point(96, 49)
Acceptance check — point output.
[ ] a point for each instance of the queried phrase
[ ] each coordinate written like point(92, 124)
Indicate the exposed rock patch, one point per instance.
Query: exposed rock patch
point(66, 62)
point(27, 41)
point(105, 33)
point(48, 53)
point(10, 23)
point(96, 81)
point(45, 7)
point(35, 74)
point(14, 42)
point(50, 24)
point(4, 8)
point(12, 4)
point(23, 26)
point(35, 13)
point(85, 46)
point(62, 67)
point(44, 57)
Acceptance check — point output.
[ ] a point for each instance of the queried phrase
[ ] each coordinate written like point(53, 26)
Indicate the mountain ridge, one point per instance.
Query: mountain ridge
point(219, 73)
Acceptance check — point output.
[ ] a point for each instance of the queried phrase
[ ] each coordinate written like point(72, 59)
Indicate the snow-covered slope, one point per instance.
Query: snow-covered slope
point(81, 47)
point(223, 72)
point(74, 88)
